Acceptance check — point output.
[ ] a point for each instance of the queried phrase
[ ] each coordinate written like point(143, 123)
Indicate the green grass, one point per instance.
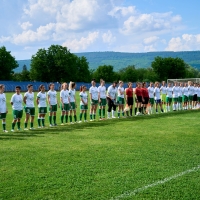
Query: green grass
point(103, 159)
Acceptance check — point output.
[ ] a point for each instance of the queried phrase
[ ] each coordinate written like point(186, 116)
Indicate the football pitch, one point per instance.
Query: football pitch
point(143, 157)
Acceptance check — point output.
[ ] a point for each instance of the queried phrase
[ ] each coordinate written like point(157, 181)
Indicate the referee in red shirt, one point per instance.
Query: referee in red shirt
point(129, 97)
point(138, 97)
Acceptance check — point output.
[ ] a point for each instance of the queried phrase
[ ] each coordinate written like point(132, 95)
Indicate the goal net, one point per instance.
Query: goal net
point(194, 80)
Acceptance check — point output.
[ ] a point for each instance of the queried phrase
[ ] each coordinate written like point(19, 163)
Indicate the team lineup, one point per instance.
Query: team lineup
point(143, 99)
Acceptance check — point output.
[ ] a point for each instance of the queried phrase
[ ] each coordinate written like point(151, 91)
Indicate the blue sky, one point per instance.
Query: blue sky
point(99, 25)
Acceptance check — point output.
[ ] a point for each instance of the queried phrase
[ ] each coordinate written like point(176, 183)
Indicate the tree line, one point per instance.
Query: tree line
point(58, 64)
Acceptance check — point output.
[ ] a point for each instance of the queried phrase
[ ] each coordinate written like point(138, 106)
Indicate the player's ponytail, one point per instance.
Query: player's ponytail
point(40, 87)
point(81, 88)
point(71, 85)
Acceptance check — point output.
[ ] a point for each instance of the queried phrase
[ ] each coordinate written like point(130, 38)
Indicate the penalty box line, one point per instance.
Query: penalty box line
point(134, 192)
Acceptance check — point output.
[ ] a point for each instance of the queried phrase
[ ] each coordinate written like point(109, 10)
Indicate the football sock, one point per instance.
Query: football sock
point(13, 125)
point(50, 119)
point(66, 118)
point(100, 113)
point(135, 111)
point(75, 118)
point(81, 114)
point(131, 111)
point(104, 112)
point(85, 116)
point(54, 119)
point(61, 118)
point(39, 121)
point(42, 121)
point(4, 125)
point(18, 125)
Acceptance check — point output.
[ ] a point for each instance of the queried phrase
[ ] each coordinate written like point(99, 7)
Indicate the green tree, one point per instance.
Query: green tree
point(169, 68)
point(7, 64)
point(128, 74)
point(22, 76)
point(58, 64)
point(105, 72)
point(192, 72)
point(83, 73)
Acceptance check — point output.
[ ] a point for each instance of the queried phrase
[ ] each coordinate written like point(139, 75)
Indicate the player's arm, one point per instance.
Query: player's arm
point(99, 95)
point(82, 99)
point(109, 94)
point(11, 101)
point(126, 96)
point(48, 100)
point(61, 100)
point(69, 99)
point(24, 99)
point(37, 100)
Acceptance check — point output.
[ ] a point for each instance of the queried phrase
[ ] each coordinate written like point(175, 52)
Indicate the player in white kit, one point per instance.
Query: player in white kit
point(185, 96)
point(102, 99)
point(52, 101)
point(3, 107)
point(72, 98)
point(175, 91)
point(120, 99)
point(83, 103)
point(169, 97)
point(16, 102)
point(190, 94)
point(157, 97)
point(29, 107)
point(41, 101)
point(151, 98)
point(64, 103)
point(93, 91)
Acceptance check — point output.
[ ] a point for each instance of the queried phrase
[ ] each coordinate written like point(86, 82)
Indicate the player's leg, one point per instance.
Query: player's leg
point(3, 117)
point(85, 113)
point(109, 107)
point(113, 110)
point(81, 113)
point(62, 116)
point(54, 109)
point(15, 115)
point(27, 111)
point(32, 112)
point(67, 114)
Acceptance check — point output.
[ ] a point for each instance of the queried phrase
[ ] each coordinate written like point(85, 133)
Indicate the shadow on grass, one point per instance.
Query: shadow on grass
point(88, 125)
point(18, 135)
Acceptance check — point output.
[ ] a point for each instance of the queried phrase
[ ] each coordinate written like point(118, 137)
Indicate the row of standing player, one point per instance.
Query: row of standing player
point(67, 104)
point(116, 96)
point(182, 96)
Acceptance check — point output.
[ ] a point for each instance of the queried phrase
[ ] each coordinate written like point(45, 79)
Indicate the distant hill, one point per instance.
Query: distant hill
point(120, 60)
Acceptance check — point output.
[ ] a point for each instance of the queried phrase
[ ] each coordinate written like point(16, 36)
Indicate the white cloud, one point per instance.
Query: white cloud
point(25, 25)
point(149, 48)
point(150, 40)
point(4, 39)
point(83, 43)
point(186, 42)
point(122, 11)
point(108, 37)
point(48, 6)
point(42, 33)
point(152, 22)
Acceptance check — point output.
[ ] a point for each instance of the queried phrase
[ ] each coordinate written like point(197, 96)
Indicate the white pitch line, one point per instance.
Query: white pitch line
point(134, 192)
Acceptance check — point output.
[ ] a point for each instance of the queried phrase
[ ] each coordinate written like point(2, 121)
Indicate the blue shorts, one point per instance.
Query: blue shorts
point(158, 101)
